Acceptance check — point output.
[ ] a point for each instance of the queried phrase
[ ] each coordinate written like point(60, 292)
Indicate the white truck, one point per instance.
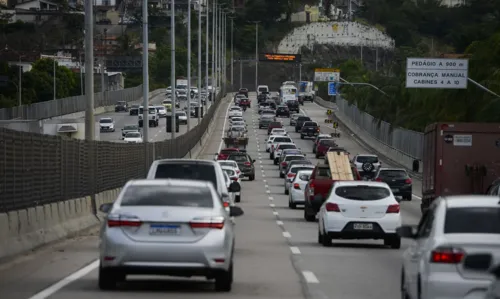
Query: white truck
point(288, 93)
point(153, 118)
point(306, 91)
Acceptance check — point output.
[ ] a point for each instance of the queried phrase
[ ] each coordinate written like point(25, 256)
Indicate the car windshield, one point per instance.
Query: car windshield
point(239, 123)
point(367, 159)
point(238, 129)
point(292, 158)
point(282, 139)
point(133, 135)
point(106, 121)
point(393, 174)
point(268, 112)
point(167, 102)
point(327, 143)
point(160, 108)
point(310, 124)
point(363, 193)
point(152, 110)
point(299, 168)
point(121, 103)
point(187, 171)
point(278, 131)
point(131, 127)
point(472, 220)
point(176, 196)
point(304, 118)
point(228, 151)
point(261, 89)
point(235, 109)
point(238, 158)
point(180, 113)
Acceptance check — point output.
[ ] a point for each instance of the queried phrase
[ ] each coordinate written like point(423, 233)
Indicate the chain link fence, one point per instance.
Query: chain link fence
point(40, 169)
point(69, 105)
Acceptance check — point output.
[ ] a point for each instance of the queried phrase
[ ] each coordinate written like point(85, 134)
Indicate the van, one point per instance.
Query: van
point(262, 89)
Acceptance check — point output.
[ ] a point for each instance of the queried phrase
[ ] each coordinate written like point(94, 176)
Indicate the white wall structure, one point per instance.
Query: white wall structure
point(451, 3)
point(334, 33)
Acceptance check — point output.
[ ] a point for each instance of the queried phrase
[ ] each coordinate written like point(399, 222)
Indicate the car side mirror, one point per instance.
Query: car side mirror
point(407, 231)
point(105, 208)
point(235, 211)
point(235, 187)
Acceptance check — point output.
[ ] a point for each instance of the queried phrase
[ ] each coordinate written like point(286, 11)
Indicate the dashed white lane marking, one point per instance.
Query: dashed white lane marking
point(272, 205)
point(263, 175)
point(295, 250)
point(268, 191)
point(65, 281)
point(267, 186)
point(271, 198)
point(264, 181)
point(287, 235)
point(275, 213)
point(310, 277)
point(279, 222)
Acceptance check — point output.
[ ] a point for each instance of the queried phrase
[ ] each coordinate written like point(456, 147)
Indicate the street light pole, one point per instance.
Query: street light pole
point(54, 81)
point(172, 68)
point(214, 39)
point(206, 48)
point(89, 74)
point(188, 65)
point(199, 63)
point(256, 54)
point(232, 52)
point(145, 78)
point(224, 69)
point(20, 87)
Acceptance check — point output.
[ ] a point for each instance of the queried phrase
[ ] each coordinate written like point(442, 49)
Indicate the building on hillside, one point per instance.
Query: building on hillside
point(452, 3)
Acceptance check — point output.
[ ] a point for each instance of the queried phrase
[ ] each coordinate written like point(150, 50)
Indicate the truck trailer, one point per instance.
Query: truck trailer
point(459, 158)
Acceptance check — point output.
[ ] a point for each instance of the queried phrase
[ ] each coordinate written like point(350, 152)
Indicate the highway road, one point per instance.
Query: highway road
point(155, 133)
point(276, 256)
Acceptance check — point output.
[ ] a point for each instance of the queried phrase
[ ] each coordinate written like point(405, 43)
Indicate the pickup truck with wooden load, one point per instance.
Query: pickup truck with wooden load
point(322, 179)
point(459, 158)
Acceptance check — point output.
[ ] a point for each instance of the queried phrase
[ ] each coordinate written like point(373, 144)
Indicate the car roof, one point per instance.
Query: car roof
point(171, 182)
point(464, 201)
point(388, 168)
point(286, 143)
point(106, 118)
point(361, 183)
point(368, 155)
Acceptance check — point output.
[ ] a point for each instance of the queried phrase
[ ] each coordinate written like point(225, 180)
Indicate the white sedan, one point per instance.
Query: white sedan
point(275, 139)
point(235, 112)
point(279, 131)
point(360, 210)
point(297, 187)
point(234, 176)
point(133, 137)
point(230, 163)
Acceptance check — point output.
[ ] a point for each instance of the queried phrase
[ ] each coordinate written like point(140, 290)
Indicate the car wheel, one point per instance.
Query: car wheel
point(314, 150)
point(251, 178)
point(224, 280)
point(317, 156)
point(108, 279)
point(395, 243)
point(301, 136)
point(407, 197)
point(237, 198)
point(320, 237)
point(326, 240)
point(308, 217)
point(281, 175)
point(291, 204)
point(286, 191)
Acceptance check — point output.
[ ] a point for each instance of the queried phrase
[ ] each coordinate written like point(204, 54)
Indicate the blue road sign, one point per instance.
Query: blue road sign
point(332, 89)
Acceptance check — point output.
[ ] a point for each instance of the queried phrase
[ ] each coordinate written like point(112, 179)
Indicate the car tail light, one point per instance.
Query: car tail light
point(234, 179)
point(247, 164)
point(378, 179)
point(311, 189)
point(446, 255)
point(408, 181)
point(317, 130)
point(296, 186)
point(226, 204)
point(393, 209)
point(291, 175)
point(283, 164)
point(207, 222)
point(123, 221)
point(332, 207)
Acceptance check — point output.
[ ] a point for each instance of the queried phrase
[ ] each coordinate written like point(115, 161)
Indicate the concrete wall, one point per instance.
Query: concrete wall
point(30, 228)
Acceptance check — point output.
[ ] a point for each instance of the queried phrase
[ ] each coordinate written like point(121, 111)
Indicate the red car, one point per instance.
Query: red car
point(323, 146)
point(226, 152)
point(245, 102)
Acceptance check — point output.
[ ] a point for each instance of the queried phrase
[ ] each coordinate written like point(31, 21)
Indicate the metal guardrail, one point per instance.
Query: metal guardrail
point(54, 108)
point(40, 169)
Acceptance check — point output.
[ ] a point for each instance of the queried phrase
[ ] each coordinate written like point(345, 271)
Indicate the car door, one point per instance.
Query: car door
point(417, 250)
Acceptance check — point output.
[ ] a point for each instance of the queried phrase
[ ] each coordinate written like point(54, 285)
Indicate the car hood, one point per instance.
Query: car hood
point(106, 125)
point(133, 139)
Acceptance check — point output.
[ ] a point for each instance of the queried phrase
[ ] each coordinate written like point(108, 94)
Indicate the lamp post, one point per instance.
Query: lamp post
point(232, 51)
point(206, 48)
point(145, 78)
point(256, 53)
point(188, 66)
point(172, 67)
point(214, 42)
point(199, 63)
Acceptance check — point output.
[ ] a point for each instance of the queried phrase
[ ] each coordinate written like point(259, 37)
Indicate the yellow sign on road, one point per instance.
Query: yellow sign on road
point(335, 27)
point(326, 70)
point(329, 112)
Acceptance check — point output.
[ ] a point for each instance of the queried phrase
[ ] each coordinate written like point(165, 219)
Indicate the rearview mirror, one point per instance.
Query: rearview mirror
point(234, 187)
point(105, 208)
point(235, 211)
point(407, 231)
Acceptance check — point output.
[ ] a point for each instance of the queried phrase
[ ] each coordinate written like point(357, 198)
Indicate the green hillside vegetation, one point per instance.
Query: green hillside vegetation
point(426, 29)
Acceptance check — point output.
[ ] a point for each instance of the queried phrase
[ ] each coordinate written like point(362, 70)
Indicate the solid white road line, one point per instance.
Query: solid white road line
point(65, 281)
point(310, 277)
point(224, 128)
point(295, 250)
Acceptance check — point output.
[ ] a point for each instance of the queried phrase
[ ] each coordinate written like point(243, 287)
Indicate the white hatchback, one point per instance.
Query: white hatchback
point(297, 187)
point(360, 210)
point(279, 131)
point(275, 139)
point(234, 175)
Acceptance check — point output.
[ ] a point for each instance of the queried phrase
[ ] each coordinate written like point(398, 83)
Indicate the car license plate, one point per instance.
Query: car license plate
point(162, 229)
point(395, 190)
point(363, 226)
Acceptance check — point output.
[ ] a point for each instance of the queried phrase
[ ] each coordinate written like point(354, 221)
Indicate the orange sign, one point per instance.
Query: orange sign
point(276, 57)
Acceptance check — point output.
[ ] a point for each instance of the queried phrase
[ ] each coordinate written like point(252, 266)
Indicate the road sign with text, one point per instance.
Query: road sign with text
point(437, 73)
point(326, 75)
point(332, 89)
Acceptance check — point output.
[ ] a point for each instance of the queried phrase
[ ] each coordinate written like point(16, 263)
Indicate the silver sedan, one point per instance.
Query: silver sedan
point(167, 227)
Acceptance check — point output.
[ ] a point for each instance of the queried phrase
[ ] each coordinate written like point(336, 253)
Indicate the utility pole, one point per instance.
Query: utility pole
point(214, 39)
point(232, 51)
point(199, 62)
point(54, 81)
point(81, 72)
point(20, 87)
point(256, 54)
point(145, 79)
point(224, 69)
point(241, 73)
point(217, 55)
point(188, 66)
point(206, 48)
point(172, 67)
point(89, 74)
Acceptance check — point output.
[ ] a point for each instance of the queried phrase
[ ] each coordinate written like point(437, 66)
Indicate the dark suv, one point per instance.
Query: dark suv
point(293, 106)
point(245, 163)
point(300, 121)
point(121, 106)
point(398, 180)
point(282, 111)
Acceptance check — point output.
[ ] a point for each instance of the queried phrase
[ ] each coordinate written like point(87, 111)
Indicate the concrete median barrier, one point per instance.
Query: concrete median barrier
point(24, 230)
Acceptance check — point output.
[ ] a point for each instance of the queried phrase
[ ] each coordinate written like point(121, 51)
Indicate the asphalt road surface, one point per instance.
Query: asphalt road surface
point(155, 133)
point(276, 256)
